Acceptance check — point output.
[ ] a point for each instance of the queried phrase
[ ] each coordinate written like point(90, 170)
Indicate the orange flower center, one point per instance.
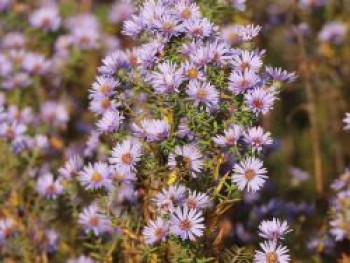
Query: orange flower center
point(105, 103)
point(258, 104)
point(185, 225)
point(127, 158)
point(186, 13)
point(94, 221)
point(249, 174)
point(271, 257)
point(96, 177)
point(202, 94)
point(192, 73)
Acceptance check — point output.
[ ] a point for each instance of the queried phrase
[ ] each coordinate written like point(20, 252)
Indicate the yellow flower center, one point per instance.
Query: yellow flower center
point(249, 174)
point(96, 177)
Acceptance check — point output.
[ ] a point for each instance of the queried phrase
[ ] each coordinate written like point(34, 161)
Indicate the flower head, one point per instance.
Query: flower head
point(48, 187)
point(271, 253)
point(273, 229)
point(126, 154)
point(156, 231)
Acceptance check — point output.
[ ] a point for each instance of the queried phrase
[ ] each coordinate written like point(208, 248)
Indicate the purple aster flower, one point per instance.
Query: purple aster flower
point(96, 176)
point(203, 94)
point(187, 49)
point(123, 175)
point(240, 82)
point(236, 34)
point(148, 55)
point(102, 105)
point(187, 156)
point(196, 200)
point(259, 100)
point(121, 11)
point(14, 40)
point(168, 26)
point(103, 87)
point(86, 38)
point(110, 122)
point(81, 259)
point(202, 56)
point(126, 154)
point(342, 182)
point(62, 45)
point(247, 60)
point(25, 116)
point(271, 252)
point(230, 137)
point(298, 175)
point(199, 27)
point(221, 52)
point(133, 26)
point(187, 223)
point(92, 144)
point(183, 130)
point(48, 187)
point(35, 63)
point(156, 231)
point(278, 74)
point(41, 142)
point(186, 10)
point(112, 62)
point(5, 4)
point(273, 229)
point(333, 33)
point(72, 167)
point(152, 130)
point(340, 227)
point(18, 81)
point(46, 19)
point(256, 138)
point(54, 113)
point(240, 5)
point(192, 72)
point(10, 131)
point(5, 66)
point(167, 79)
point(93, 220)
point(249, 173)
point(175, 193)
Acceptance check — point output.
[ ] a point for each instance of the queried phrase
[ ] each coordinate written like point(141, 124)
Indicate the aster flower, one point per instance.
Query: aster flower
point(167, 79)
point(240, 82)
point(126, 154)
point(92, 144)
point(187, 223)
point(35, 64)
point(175, 193)
point(46, 19)
point(133, 26)
point(203, 94)
point(188, 157)
point(19, 80)
point(247, 60)
point(256, 138)
point(24, 116)
point(196, 200)
point(93, 220)
point(10, 131)
point(48, 187)
point(192, 72)
point(156, 231)
point(273, 229)
point(230, 137)
point(121, 11)
point(112, 62)
point(103, 87)
point(201, 56)
point(54, 113)
point(346, 121)
point(183, 130)
point(168, 26)
point(259, 100)
point(148, 55)
point(81, 259)
point(278, 74)
point(221, 52)
point(236, 34)
point(86, 38)
point(102, 105)
point(152, 130)
point(110, 122)
point(123, 175)
point(333, 32)
point(4, 5)
point(240, 5)
point(14, 40)
point(199, 27)
point(96, 176)
point(249, 173)
point(72, 167)
point(271, 252)
point(185, 10)
point(5, 66)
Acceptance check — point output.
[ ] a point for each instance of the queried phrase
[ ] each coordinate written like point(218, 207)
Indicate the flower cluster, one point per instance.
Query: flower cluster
point(271, 251)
